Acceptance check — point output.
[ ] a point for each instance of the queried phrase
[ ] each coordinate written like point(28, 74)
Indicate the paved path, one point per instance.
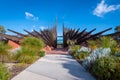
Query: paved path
point(55, 67)
point(58, 51)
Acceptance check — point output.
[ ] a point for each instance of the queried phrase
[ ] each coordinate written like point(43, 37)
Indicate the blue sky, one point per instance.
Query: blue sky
point(40, 14)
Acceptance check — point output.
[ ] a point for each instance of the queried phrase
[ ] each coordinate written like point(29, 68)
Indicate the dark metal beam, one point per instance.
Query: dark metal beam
point(17, 33)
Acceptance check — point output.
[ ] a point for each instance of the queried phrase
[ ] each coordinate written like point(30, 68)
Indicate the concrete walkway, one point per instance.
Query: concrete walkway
point(55, 67)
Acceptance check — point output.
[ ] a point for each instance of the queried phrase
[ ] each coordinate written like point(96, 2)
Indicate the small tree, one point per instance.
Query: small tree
point(2, 30)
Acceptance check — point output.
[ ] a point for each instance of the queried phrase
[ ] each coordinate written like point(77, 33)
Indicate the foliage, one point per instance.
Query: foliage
point(84, 49)
point(4, 74)
point(107, 42)
point(25, 56)
point(74, 49)
point(117, 54)
point(107, 68)
point(32, 43)
point(41, 53)
point(116, 51)
point(92, 44)
point(4, 50)
point(71, 42)
point(2, 30)
point(29, 50)
point(81, 55)
point(96, 54)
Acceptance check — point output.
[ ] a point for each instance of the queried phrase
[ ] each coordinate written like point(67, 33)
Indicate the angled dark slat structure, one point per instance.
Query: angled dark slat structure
point(30, 33)
point(79, 37)
point(49, 36)
point(17, 33)
point(79, 34)
point(94, 35)
point(113, 34)
point(85, 35)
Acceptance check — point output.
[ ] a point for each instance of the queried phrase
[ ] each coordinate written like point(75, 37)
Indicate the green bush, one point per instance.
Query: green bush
point(116, 51)
point(92, 44)
point(107, 68)
point(30, 46)
point(74, 49)
point(4, 50)
point(4, 74)
point(25, 56)
point(104, 42)
point(81, 55)
point(26, 59)
point(32, 43)
point(41, 53)
point(107, 42)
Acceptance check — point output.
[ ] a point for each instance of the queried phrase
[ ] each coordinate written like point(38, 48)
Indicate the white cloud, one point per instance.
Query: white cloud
point(30, 16)
point(42, 27)
point(103, 8)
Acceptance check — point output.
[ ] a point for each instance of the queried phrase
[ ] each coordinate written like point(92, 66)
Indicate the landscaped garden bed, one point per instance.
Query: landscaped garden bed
point(101, 58)
point(12, 63)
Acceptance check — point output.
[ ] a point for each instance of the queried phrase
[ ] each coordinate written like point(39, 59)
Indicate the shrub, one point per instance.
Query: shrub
point(32, 43)
point(74, 49)
point(104, 42)
point(25, 56)
point(3, 50)
point(96, 54)
point(30, 46)
point(92, 44)
point(41, 53)
point(4, 74)
point(84, 49)
point(82, 53)
point(108, 42)
point(116, 51)
point(26, 59)
point(107, 68)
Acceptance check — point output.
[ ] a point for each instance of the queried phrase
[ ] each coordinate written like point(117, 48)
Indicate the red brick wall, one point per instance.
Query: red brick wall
point(13, 44)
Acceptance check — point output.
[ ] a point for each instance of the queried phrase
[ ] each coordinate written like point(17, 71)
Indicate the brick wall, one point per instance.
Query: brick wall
point(13, 44)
